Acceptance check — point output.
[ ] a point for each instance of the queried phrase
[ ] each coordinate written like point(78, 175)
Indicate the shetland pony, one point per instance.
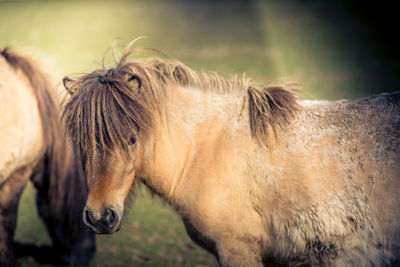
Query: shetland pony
point(33, 146)
point(256, 174)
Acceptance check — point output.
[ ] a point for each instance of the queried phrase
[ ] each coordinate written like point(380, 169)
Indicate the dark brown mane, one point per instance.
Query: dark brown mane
point(108, 106)
point(272, 106)
point(41, 87)
point(56, 172)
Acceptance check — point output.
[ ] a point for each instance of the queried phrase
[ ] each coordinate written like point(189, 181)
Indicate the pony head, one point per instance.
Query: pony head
point(109, 117)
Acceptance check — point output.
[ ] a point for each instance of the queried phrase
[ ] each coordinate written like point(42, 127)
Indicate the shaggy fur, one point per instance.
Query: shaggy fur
point(129, 103)
point(48, 160)
point(322, 190)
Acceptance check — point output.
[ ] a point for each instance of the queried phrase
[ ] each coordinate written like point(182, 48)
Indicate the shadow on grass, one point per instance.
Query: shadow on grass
point(49, 255)
point(43, 254)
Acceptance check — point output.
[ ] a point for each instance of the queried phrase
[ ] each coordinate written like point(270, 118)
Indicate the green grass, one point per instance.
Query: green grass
point(317, 44)
point(151, 235)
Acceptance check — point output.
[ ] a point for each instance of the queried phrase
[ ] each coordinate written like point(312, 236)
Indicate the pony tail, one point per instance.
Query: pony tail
point(268, 108)
point(56, 177)
point(41, 84)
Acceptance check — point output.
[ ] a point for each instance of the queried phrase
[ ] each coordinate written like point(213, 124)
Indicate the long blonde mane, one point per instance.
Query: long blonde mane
point(110, 105)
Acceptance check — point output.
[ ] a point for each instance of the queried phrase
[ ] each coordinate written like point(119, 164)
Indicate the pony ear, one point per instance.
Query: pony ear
point(134, 81)
point(68, 82)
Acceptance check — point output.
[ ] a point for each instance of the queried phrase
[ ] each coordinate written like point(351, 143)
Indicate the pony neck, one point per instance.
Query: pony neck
point(197, 128)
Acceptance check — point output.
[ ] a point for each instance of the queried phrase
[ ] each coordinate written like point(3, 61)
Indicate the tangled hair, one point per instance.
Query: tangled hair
point(272, 106)
point(110, 105)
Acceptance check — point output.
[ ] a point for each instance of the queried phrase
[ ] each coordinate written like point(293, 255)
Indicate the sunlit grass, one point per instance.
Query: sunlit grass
point(151, 235)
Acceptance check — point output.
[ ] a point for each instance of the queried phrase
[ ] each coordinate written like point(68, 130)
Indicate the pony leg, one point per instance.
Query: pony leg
point(73, 242)
point(10, 193)
point(234, 253)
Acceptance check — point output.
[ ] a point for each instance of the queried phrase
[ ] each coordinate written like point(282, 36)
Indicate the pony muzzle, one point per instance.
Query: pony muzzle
point(105, 221)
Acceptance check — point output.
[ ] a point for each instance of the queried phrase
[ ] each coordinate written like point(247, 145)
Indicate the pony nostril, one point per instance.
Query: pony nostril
point(89, 218)
point(110, 217)
point(105, 223)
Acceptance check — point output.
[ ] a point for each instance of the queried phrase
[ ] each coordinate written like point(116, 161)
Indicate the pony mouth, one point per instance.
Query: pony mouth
point(105, 230)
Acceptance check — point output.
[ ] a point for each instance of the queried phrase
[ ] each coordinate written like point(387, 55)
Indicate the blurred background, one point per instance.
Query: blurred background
point(334, 49)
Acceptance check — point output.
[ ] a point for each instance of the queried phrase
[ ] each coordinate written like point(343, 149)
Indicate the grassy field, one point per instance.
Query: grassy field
point(151, 235)
point(319, 44)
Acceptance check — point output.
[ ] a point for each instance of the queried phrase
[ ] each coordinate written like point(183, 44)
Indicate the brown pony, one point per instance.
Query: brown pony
point(257, 175)
point(33, 146)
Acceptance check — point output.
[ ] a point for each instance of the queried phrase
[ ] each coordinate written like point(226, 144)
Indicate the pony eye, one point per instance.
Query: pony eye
point(132, 140)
